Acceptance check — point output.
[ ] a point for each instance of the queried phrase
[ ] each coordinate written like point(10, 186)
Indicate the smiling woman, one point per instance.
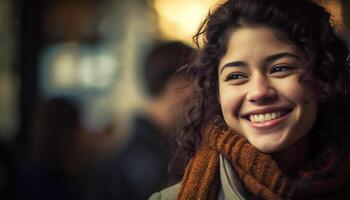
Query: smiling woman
point(260, 94)
point(269, 115)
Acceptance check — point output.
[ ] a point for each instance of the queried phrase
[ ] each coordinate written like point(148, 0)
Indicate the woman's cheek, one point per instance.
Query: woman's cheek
point(231, 100)
point(295, 91)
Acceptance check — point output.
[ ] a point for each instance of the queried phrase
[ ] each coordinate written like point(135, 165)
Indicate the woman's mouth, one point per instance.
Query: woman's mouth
point(267, 119)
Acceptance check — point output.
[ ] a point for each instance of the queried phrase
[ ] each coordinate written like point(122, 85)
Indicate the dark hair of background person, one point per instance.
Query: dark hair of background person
point(8, 175)
point(310, 30)
point(54, 170)
point(57, 126)
point(157, 70)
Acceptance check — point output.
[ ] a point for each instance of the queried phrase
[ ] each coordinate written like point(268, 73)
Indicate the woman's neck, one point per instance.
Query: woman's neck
point(292, 158)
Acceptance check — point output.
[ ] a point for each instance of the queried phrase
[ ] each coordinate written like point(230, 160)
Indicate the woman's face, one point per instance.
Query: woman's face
point(260, 93)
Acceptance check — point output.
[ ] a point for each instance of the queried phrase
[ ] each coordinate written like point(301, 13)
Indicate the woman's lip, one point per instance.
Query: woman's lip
point(268, 124)
point(266, 110)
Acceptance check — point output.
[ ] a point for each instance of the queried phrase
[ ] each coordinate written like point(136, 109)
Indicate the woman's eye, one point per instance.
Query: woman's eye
point(280, 69)
point(235, 76)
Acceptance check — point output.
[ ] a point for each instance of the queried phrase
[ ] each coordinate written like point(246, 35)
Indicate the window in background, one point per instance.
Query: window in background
point(86, 73)
point(78, 59)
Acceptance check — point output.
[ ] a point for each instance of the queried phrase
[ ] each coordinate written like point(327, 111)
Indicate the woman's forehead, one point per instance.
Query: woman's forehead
point(256, 43)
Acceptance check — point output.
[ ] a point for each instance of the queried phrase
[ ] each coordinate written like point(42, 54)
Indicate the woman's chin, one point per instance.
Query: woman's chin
point(268, 147)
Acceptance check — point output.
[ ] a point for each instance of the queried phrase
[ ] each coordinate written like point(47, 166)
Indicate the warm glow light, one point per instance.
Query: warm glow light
point(334, 8)
point(180, 19)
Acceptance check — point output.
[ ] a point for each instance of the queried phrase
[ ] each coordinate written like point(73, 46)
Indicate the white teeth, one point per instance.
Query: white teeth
point(261, 118)
point(268, 116)
point(264, 117)
point(274, 115)
point(256, 118)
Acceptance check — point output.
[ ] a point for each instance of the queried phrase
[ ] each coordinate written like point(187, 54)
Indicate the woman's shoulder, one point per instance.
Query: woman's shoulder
point(169, 193)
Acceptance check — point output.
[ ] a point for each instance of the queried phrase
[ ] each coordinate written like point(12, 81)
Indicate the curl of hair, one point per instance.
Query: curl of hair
point(311, 31)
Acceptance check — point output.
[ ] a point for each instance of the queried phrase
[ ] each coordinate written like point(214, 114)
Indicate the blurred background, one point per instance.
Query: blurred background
point(75, 66)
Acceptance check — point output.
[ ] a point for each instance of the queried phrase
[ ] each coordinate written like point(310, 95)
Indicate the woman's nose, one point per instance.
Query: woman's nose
point(261, 90)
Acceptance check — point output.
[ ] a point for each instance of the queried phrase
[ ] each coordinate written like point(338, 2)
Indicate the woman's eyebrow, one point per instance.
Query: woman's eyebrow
point(267, 60)
point(234, 64)
point(274, 57)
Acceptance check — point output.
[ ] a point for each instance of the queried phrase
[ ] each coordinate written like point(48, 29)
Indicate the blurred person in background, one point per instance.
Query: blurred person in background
point(54, 171)
point(145, 159)
point(152, 127)
point(140, 167)
point(7, 172)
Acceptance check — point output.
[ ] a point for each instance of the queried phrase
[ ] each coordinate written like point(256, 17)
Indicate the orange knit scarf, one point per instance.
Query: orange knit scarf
point(258, 172)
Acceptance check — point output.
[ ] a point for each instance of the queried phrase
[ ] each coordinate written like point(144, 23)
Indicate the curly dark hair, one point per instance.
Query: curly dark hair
point(304, 24)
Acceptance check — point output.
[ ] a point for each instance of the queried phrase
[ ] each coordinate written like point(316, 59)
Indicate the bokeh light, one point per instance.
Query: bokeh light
point(180, 19)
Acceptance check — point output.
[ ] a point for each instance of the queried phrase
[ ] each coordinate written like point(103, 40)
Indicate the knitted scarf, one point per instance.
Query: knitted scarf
point(258, 172)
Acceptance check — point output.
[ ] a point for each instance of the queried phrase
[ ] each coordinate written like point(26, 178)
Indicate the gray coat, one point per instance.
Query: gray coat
point(231, 188)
